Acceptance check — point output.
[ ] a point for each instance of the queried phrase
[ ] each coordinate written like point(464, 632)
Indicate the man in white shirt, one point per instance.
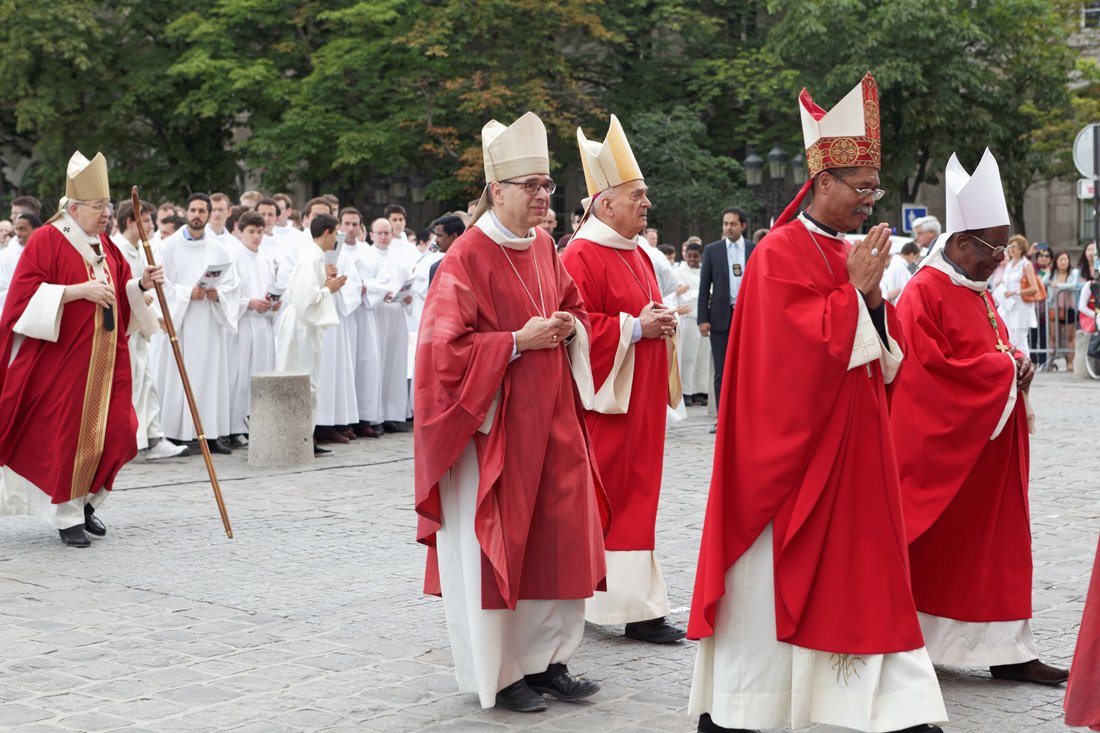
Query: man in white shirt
point(25, 224)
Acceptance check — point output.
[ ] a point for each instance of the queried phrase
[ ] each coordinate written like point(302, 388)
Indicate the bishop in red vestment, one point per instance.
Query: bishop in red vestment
point(1082, 703)
point(509, 502)
point(631, 352)
point(802, 602)
point(959, 411)
point(67, 422)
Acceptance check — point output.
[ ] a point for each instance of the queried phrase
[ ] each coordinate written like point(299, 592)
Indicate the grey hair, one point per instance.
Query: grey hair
point(928, 222)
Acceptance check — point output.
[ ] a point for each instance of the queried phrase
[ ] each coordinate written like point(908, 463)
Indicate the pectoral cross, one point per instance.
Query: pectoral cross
point(1001, 345)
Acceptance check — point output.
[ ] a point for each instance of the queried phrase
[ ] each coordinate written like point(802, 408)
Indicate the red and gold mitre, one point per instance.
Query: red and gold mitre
point(845, 136)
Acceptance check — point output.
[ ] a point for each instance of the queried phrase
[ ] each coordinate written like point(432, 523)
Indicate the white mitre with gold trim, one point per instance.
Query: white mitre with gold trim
point(519, 149)
point(974, 201)
point(610, 163)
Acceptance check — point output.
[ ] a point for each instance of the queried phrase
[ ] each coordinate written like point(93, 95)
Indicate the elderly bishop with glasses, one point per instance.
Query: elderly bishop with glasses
point(802, 602)
point(635, 370)
point(508, 496)
point(67, 422)
point(961, 403)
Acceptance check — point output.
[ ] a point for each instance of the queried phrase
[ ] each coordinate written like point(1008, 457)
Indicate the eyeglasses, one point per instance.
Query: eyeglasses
point(876, 194)
point(997, 251)
point(100, 207)
point(1044, 254)
point(532, 188)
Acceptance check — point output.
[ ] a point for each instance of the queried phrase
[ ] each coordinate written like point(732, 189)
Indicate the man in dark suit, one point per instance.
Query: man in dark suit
point(446, 229)
point(723, 267)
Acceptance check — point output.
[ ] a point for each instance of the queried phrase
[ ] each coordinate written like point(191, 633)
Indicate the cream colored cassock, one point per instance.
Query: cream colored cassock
point(363, 331)
point(635, 586)
point(201, 327)
point(745, 678)
point(251, 349)
point(696, 365)
point(309, 309)
point(493, 648)
point(42, 320)
point(146, 404)
point(971, 643)
point(337, 403)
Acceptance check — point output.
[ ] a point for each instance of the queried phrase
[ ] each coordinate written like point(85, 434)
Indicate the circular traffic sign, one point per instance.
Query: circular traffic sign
point(1083, 151)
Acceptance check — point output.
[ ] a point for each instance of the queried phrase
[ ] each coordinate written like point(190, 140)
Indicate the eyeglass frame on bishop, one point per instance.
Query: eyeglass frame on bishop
point(876, 194)
point(996, 250)
point(532, 188)
point(100, 207)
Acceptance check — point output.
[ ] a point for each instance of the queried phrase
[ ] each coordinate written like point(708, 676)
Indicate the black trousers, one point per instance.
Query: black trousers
point(718, 342)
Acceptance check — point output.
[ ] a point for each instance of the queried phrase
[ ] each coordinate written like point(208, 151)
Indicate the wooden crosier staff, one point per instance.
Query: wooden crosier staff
point(182, 369)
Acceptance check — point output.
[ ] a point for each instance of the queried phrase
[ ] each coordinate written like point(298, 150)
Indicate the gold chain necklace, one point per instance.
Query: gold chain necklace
point(1001, 345)
point(538, 279)
point(645, 289)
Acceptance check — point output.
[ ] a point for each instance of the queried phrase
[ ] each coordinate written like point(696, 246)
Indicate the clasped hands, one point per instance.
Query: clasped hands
point(545, 333)
point(103, 294)
point(657, 321)
point(865, 269)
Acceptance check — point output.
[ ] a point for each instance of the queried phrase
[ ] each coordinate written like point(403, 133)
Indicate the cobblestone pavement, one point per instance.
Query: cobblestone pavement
point(312, 617)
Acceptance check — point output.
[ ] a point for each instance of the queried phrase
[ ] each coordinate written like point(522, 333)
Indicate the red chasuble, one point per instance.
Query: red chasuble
point(67, 423)
point(629, 448)
point(965, 496)
point(1082, 703)
point(540, 507)
point(804, 442)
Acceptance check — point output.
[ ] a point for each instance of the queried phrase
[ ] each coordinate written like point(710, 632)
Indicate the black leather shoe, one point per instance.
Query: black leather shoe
point(319, 451)
point(92, 523)
point(558, 682)
point(218, 447)
point(395, 427)
point(714, 429)
point(364, 430)
point(701, 399)
point(706, 725)
point(1033, 671)
point(922, 728)
point(520, 698)
point(237, 441)
point(655, 631)
point(74, 536)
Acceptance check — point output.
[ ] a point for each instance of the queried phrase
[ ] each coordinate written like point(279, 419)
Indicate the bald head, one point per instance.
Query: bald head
point(381, 232)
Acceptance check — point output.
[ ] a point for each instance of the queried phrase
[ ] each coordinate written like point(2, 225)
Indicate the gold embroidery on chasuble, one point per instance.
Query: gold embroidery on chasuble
point(97, 397)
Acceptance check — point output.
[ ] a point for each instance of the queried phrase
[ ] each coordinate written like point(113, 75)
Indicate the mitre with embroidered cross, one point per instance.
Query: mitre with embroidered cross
point(511, 151)
point(846, 136)
point(974, 201)
point(85, 180)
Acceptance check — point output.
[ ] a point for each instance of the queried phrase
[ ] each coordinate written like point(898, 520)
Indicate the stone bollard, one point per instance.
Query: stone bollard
point(280, 430)
point(1081, 350)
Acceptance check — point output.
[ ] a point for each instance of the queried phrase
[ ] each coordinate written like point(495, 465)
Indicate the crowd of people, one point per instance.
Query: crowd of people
point(837, 565)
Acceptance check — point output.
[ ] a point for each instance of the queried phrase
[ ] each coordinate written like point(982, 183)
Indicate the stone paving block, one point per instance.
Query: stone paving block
point(17, 714)
point(193, 695)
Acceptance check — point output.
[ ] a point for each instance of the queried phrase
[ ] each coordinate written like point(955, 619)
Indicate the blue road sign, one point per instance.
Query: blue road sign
point(909, 212)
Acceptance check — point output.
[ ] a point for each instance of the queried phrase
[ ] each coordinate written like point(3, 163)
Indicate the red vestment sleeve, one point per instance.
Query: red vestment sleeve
point(1082, 703)
point(590, 278)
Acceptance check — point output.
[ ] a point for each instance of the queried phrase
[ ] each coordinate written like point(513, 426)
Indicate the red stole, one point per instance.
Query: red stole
point(805, 443)
point(629, 448)
point(67, 422)
point(965, 496)
point(540, 506)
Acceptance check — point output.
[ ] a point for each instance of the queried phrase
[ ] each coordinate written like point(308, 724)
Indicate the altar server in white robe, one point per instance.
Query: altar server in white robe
point(252, 347)
point(202, 317)
point(696, 367)
point(150, 435)
point(337, 406)
point(310, 307)
point(377, 284)
point(393, 330)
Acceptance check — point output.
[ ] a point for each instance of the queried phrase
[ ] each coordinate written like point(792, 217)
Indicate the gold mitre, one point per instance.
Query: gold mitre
point(519, 149)
point(609, 163)
point(86, 180)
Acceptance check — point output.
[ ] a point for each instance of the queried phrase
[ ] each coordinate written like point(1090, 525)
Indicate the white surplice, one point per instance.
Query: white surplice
point(309, 309)
point(251, 350)
point(363, 332)
point(201, 327)
point(9, 258)
point(393, 337)
point(336, 399)
point(696, 364)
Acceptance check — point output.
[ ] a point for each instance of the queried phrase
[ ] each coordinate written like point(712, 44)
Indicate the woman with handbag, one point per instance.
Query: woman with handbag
point(1018, 284)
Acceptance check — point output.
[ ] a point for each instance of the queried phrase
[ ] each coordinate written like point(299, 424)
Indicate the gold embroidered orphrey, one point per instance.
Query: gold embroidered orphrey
point(97, 398)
